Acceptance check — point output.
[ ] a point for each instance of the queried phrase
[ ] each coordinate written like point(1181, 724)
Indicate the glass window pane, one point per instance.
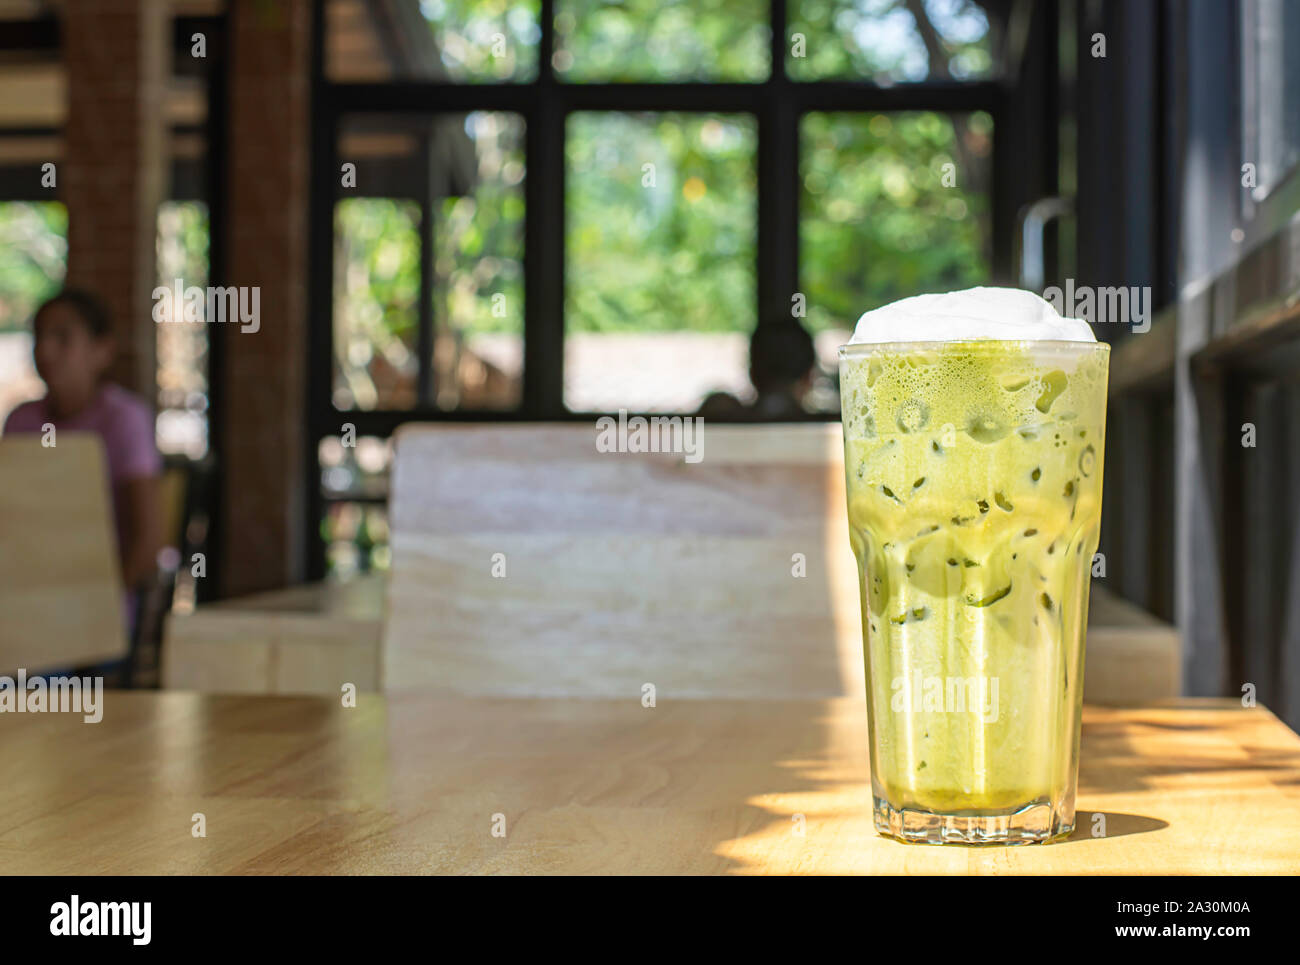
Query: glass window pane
point(891, 205)
point(356, 539)
point(34, 239)
point(182, 253)
point(358, 471)
point(478, 292)
point(651, 40)
point(376, 290)
point(660, 288)
point(446, 40)
point(1271, 85)
point(891, 41)
point(466, 172)
point(354, 482)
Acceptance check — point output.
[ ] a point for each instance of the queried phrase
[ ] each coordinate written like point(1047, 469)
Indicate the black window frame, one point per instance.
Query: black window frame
point(777, 103)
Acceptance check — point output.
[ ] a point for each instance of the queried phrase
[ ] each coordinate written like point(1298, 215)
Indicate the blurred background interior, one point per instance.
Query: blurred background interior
point(524, 210)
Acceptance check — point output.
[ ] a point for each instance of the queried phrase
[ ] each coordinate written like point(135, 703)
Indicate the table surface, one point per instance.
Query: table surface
point(415, 784)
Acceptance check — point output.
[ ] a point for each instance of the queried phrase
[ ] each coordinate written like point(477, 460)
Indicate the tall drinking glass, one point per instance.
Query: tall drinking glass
point(974, 501)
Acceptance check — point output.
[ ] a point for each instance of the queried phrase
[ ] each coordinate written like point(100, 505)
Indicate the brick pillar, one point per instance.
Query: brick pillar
point(114, 170)
point(263, 392)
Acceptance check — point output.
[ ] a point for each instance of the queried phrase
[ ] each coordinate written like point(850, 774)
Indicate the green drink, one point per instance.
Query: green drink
point(974, 498)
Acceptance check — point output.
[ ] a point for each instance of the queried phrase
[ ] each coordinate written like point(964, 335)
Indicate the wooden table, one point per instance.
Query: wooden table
point(411, 784)
point(306, 639)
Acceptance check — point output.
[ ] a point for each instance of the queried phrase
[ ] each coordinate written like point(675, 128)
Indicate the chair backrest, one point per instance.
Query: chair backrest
point(60, 593)
point(525, 561)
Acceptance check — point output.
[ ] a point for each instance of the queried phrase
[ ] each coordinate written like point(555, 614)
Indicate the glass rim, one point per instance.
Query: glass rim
point(851, 349)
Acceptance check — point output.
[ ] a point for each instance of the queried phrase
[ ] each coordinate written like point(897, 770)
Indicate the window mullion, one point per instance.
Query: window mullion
point(425, 376)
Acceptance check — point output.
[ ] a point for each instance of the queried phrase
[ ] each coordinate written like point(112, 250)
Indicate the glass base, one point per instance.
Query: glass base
point(1035, 823)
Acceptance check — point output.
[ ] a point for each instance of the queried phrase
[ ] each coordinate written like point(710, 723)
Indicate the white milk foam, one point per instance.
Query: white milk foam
point(1007, 314)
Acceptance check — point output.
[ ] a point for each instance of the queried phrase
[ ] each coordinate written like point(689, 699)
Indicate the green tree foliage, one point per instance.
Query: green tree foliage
point(33, 258)
point(182, 244)
point(670, 247)
point(889, 41)
point(485, 40)
point(877, 221)
point(182, 253)
point(376, 287)
point(480, 237)
point(662, 40)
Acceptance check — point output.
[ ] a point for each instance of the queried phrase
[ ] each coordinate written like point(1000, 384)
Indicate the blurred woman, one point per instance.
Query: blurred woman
point(74, 348)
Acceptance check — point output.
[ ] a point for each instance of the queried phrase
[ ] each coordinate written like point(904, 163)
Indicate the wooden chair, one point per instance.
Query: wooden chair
point(175, 493)
point(60, 594)
point(525, 562)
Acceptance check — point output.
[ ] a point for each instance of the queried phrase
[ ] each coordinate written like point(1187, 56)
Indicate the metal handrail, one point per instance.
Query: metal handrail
point(1034, 219)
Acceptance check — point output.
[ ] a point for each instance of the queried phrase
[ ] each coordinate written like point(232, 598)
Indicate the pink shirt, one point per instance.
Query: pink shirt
point(125, 424)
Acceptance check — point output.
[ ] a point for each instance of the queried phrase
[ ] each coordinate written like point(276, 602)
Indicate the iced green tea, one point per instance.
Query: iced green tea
point(974, 497)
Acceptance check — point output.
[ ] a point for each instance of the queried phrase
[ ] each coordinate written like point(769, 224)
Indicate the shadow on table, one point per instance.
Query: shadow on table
point(1136, 751)
point(1113, 824)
